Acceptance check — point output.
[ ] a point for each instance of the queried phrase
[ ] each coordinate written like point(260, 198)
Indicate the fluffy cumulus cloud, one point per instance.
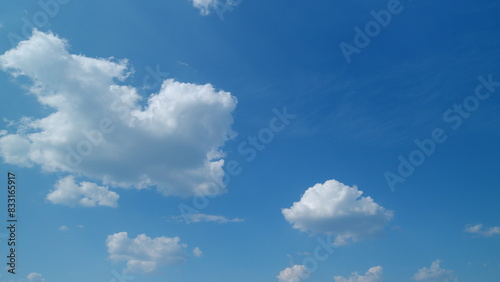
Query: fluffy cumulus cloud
point(295, 273)
point(434, 273)
point(35, 277)
point(85, 194)
point(200, 217)
point(373, 274)
point(102, 129)
point(478, 229)
point(207, 6)
point(337, 209)
point(144, 254)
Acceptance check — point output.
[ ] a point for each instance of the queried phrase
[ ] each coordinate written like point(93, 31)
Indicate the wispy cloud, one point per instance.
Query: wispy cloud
point(206, 7)
point(337, 209)
point(197, 252)
point(85, 194)
point(200, 217)
point(35, 277)
point(373, 274)
point(483, 231)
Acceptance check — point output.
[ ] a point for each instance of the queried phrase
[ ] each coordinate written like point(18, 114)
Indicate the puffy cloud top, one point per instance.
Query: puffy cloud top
point(85, 194)
point(373, 274)
point(295, 273)
point(35, 277)
point(479, 229)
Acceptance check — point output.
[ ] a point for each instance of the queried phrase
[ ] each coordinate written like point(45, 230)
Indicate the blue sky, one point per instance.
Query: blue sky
point(239, 141)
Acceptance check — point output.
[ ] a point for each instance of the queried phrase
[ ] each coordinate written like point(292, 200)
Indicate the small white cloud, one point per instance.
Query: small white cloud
point(373, 274)
point(35, 277)
point(80, 226)
point(295, 273)
point(145, 254)
point(434, 273)
point(197, 252)
point(85, 194)
point(337, 209)
point(485, 232)
point(64, 228)
point(199, 217)
point(220, 6)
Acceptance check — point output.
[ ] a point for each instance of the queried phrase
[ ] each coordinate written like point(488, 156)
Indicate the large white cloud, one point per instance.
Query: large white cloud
point(337, 209)
point(373, 274)
point(482, 231)
point(144, 254)
point(85, 194)
point(104, 130)
point(295, 273)
point(35, 277)
point(434, 273)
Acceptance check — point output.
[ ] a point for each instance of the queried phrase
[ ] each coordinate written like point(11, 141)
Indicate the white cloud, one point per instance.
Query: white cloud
point(200, 217)
point(206, 6)
point(485, 232)
point(197, 252)
point(35, 277)
point(337, 209)
point(64, 228)
point(434, 273)
point(104, 130)
point(295, 273)
point(373, 274)
point(85, 194)
point(80, 226)
point(145, 254)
